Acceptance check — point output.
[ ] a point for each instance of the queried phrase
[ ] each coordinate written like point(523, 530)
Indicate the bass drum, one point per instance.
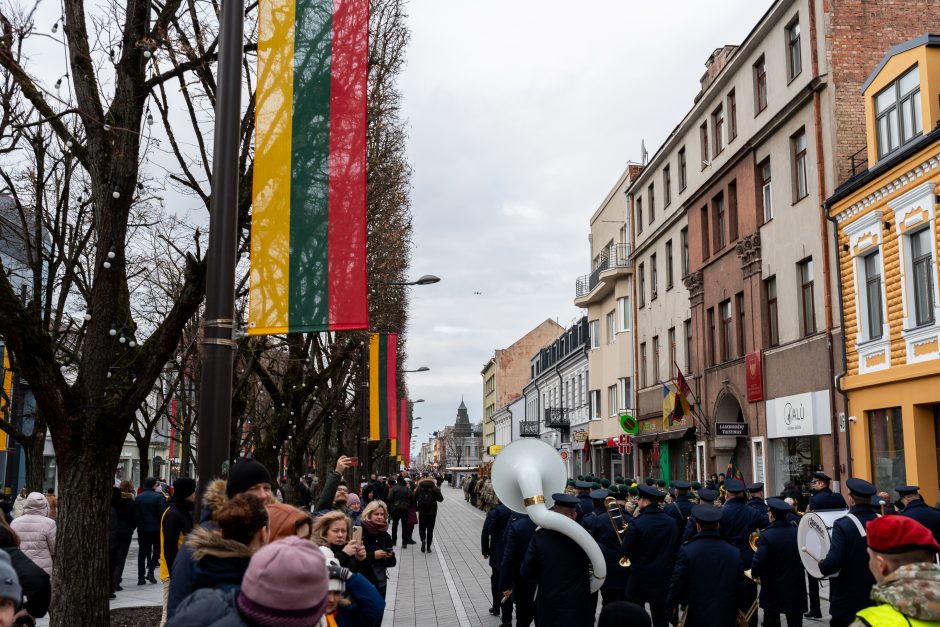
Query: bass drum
point(814, 537)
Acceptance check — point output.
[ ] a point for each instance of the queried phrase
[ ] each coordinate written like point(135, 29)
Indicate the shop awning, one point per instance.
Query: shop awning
point(666, 435)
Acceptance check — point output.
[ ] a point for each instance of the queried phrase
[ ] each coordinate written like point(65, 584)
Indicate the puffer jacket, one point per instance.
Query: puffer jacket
point(36, 531)
point(913, 590)
point(208, 608)
point(219, 563)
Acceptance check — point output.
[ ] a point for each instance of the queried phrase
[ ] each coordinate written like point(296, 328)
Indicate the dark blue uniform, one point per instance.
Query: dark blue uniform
point(518, 535)
point(777, 563)
point(738, 521)
point(646, 544)
point(559, 567)
point(585, 507)
point(680, 510)
point(848, 555)
point(759, 506)
point(599, 525)
point(491, 544)
point(707, 577)
point(925, 515)
point(826, 499)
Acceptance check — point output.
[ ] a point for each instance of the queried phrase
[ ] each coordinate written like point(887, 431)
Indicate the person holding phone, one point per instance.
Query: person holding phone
point(332, 530)
point(380, 553)
point(331, 497)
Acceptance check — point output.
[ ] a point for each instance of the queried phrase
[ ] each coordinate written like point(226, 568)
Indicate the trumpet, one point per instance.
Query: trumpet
point(753, 538)
point(615, 513)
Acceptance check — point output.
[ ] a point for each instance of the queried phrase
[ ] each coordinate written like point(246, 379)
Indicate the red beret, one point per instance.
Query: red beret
point(899, 534)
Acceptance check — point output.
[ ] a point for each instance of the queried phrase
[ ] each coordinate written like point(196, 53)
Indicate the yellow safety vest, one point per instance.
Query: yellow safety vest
point(886, 616)
point(164, 571)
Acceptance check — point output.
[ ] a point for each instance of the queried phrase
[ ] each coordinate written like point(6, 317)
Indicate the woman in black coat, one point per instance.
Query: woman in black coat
point(380, 553)
point(37, 589)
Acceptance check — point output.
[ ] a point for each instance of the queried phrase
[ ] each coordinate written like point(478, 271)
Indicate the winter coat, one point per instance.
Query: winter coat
point(37, 588)
point(176, 524)
point(126, 513)
point(429, 507)
point(219, 563)
point(18, 505)
point(208, 608)
point(328, 494)
point(400, 500)
point(372, 568)
point(367, 604)
point(36, 531)
point(150, 506)
point(913, 590)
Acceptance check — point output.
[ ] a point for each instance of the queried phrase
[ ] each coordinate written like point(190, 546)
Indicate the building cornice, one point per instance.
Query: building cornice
point(912, 175)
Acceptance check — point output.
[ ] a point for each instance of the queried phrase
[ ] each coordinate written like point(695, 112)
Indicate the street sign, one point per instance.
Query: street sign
point(580, 436)
point(629, 424)
point(564, 455)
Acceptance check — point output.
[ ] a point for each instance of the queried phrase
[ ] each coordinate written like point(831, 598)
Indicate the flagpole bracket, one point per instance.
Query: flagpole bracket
point(220, 341)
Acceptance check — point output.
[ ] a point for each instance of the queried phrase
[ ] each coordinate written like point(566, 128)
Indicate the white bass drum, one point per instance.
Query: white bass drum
point(814, 537)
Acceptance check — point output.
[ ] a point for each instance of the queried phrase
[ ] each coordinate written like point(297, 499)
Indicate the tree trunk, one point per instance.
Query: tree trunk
point(35, 472)
point(82, 540)
point(143, 449)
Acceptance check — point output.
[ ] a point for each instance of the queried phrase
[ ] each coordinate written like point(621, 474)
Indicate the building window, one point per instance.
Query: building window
point(760, 85)
point(807, 304)
point(673, 358)
point(703, 138)
point(874, 312)
point(726, 330)
point(718, 210)
point(710, 339)
point(654, 284)
point(651, 199)
point(704, 228)
point(623, 305)
point(656, 366)
point(684, 241)
point(639, 214)
point(612, 400)
point(794, 61)
point(739, 303)
point(718, 130)
point(732, 211)
point(641, 288)
point(687, 327)
point(669, 273)
point(643, 378)
point(770, 289)
point(626, 392)
point(682, 171)
point(595, 331)
point(667, 186)
point(766, 195)
point(595, 404)
point(886, 440)
point(611, 326)
point(732, 117)
point(897, 113)
point(922, 264)
point(798, 150)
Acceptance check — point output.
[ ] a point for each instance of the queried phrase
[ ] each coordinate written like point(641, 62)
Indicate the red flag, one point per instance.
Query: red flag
point(681, 383)
point(404, 434)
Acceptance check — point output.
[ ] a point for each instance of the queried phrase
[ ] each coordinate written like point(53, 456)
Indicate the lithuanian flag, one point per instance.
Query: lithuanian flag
point(308, 224)
point(383, 388)
point(404, 433)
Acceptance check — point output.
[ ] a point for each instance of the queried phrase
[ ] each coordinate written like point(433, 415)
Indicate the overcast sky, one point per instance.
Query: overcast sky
point(522, 116)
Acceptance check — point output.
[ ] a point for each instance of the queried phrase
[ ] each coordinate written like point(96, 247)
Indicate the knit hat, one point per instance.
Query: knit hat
point(352, 499)
point(183, 487)
point(244, 474)
point(899, 534)
point(285, 585)
point(10, 587)
point(283, 520)
point(337, 573)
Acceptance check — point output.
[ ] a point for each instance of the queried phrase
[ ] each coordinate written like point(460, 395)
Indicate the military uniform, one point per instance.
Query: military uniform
point(645, 544)
point(821, 499)
point(755, 502)
point(707, 576)
point(585, 504)
point(601, 528)
point(920, 511)
point(738, 521)
point(850, 591)
point(680, 509)
point(492, 545)
point(778, 566)
point(518, 535)
point(708, 497)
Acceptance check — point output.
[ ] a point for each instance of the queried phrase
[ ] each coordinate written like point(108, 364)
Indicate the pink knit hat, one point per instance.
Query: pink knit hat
point(286, 584)
point(352, 499)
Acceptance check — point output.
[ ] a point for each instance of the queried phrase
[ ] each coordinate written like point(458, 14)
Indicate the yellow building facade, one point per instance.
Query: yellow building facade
point(885, 218)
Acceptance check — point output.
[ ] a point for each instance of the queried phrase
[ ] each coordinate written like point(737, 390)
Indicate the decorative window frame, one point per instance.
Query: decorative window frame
point(865, 238)
point(913, 210)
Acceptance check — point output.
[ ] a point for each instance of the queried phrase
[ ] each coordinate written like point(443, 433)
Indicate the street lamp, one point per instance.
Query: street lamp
point(427, 279)
point(420, 400)
point(416, 418)
point(421, 369)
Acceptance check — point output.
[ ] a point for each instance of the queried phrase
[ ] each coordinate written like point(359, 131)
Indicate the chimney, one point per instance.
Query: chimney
point(713, 66)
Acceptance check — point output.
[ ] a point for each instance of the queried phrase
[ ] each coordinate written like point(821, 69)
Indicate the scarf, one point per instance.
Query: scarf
point(375, 528)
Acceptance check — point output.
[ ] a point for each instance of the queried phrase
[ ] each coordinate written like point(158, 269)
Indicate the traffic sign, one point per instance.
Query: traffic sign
point(564, 455)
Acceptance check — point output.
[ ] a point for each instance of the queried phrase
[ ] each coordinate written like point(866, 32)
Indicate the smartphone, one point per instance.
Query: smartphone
point(357, 535)
point(353, 461)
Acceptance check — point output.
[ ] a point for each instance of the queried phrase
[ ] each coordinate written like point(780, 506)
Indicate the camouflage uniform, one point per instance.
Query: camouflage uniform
point(488, 500)
point(909, 596)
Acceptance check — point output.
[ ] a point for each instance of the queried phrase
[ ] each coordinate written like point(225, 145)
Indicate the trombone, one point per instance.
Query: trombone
point(617, 522)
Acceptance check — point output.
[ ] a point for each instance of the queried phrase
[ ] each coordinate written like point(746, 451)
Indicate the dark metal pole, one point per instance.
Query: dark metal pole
point(363, 467)
point(215, 406)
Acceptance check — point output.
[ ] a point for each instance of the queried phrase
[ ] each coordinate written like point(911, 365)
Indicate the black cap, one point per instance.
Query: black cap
point(706, 513)
point(755, 487)
point(599, 495)
point(565, 500)
point(183, 487)
point(860, 487)
point(904, 490)
point(822, 476)
point(733, 485)
point(582, 485)
point(778, 505)
point(682, 485)
point(650, 492)
point(707, 494)
point(245, 474)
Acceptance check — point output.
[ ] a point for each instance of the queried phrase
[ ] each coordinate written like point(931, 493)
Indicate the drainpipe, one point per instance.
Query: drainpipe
point(824, 228)
point(633, 332)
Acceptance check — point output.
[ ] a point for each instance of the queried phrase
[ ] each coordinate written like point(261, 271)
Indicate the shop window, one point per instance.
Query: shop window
point(886, 443)
point(794, 461)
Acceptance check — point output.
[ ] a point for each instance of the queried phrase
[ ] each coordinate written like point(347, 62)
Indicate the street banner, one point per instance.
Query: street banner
point(308, 224)
point(383, 388)
point(405, 432)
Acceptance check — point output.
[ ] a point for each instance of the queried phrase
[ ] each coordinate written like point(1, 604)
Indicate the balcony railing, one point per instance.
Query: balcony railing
point(529, 429)
point(616, 256)
point(556, 418)
point(859, 161)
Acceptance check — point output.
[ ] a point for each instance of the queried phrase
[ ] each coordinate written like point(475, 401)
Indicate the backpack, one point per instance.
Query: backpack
point(426, 499)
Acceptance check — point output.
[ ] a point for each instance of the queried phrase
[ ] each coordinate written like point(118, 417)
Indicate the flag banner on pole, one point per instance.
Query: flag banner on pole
point(383, 392)
point(405, 432)
point(681, 384)
point(681, 408)
point(669, 404)
point(308, 221)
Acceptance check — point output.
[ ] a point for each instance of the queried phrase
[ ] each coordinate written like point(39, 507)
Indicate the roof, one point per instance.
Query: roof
point(927, 39)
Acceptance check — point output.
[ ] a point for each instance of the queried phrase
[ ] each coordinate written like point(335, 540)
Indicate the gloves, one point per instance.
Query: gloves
point(338, 572)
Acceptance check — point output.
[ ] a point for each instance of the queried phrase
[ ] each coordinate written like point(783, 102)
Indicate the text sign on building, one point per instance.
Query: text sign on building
point(799, 415)
point(580, 436)
point(731, 429)
point(754, 376)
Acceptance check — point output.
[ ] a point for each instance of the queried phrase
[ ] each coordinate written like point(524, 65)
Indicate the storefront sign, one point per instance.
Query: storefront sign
point(580, 436)
point(731, 429)
point(799, 415)
point(754, 376)
point(629, 424)
point(494, 449)
point(613, 442)
point(655, 425)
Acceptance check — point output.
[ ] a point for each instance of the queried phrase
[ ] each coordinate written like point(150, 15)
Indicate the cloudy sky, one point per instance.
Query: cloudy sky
point(522, 116)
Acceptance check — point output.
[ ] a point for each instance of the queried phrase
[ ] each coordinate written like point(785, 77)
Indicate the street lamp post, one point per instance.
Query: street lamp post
point(421, 369)
point(427, 279)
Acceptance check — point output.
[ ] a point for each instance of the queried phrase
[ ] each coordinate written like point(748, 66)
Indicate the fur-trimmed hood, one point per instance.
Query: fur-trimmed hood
point(428, 482)
point(215, 497)
point(204, 543)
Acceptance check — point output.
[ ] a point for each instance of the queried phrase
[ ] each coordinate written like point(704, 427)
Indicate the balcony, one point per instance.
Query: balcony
point(557, 418)
point(614, 262)
point(529, 429)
